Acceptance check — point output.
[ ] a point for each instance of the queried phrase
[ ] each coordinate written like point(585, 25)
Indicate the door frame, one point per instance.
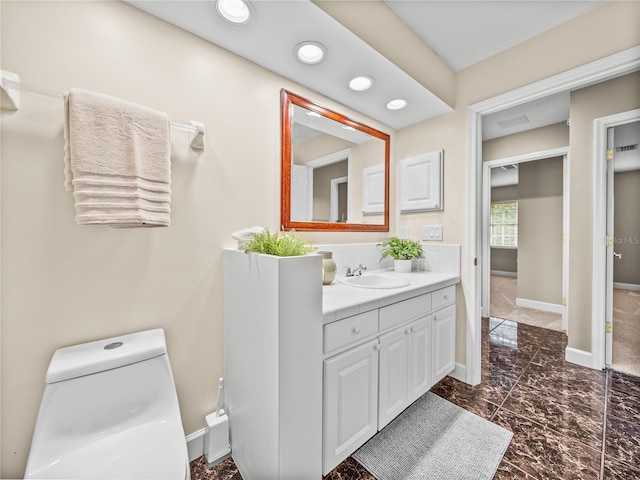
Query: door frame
point(600, 254)
point(621, 63)
point(335, 197)
point(486, 219)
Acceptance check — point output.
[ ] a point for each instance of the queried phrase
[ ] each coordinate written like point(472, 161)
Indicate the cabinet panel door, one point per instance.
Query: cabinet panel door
point(444, 342)
point(392, 398)
point(419, 374)
point(350, 402)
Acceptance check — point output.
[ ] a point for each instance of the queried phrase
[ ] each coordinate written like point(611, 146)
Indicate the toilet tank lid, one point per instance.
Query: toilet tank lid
point(93, 357)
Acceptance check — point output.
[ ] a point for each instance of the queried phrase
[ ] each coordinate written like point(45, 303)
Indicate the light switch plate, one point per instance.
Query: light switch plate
point(432, 232)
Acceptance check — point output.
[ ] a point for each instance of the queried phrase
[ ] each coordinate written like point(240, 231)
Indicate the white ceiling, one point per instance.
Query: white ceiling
point(463, 33)
point(460, 32)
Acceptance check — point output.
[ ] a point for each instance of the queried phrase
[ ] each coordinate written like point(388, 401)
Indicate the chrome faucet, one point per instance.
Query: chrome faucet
point(355, 271)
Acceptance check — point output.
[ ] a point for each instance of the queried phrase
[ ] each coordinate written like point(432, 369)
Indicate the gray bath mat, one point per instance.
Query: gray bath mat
point(436, 440)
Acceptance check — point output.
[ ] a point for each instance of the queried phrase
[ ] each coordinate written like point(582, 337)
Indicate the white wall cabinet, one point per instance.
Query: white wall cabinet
point(379, 362)
point(350, 402)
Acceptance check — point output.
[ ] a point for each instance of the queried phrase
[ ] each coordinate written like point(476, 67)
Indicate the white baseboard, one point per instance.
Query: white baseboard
point(195, 444)
point(626, 286)
point(547, 307)
point(460, 372)
point(579, 357)
point(503, 273)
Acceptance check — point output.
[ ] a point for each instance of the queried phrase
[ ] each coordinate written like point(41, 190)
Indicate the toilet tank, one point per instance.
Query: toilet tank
point(103, 395)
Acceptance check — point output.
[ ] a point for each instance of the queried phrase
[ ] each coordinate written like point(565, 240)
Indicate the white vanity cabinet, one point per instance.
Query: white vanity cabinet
point(350, 402)
point(405, 368)
point(379, 362)
point(444, 332)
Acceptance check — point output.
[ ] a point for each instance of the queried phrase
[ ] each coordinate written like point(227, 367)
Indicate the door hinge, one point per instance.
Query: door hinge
point(475, 262)
point(610, 154)
point(607, 327)
point(565, 174)
point(564, 301)
point(564, 238)
point(609, 240)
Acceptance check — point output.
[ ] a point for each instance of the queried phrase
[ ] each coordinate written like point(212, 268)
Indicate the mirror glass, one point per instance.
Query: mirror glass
point(335, 171)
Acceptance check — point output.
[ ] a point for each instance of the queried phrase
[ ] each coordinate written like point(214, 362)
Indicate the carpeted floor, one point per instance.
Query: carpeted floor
point(503, 305)
point(626, 331)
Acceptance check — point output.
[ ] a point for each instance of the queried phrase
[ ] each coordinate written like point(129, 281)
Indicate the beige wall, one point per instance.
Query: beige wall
point(627, 227)
point(504, 260)
point(63, 284)
point(536, 140)
point(540, 231)
point(618, 95)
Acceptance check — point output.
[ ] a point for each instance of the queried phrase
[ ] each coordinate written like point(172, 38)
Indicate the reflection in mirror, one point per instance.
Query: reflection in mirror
point(335, 172)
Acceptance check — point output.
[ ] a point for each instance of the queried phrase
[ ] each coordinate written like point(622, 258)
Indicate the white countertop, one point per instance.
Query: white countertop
point(341, 301)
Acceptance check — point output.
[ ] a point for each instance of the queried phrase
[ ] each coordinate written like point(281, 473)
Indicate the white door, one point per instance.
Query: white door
point(443, 342)
point(350, 402)
point(419, 373)
point(300, 194)
point(392, 398)
point(609, 250)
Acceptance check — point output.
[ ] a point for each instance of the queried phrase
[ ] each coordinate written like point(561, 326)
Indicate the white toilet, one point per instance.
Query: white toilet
point(110, 410)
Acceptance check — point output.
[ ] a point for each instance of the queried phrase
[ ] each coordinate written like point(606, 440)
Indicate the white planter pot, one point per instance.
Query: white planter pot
point(402, 266)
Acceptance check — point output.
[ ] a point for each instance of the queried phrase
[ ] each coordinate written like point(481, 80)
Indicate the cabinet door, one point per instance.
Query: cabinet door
point(419, 361)
point(392, 399)
point(350, 402)
point(444, 342)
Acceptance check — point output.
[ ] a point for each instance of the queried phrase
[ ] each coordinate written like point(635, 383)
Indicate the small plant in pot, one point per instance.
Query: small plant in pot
point(280, 244)
point(403, 251)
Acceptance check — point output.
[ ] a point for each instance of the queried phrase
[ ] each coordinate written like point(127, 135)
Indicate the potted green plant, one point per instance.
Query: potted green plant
point(403, 251)
point(280, 244)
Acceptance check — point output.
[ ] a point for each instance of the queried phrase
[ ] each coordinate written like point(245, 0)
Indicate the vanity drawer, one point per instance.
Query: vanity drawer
point(444, 296)
point(350, 330)
point(401, 312)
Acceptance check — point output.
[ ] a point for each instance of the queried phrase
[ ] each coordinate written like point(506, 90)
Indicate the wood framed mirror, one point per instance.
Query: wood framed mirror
point(335, 171)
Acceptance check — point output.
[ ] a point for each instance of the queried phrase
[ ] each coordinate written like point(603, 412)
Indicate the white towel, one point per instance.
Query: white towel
point(117, 161)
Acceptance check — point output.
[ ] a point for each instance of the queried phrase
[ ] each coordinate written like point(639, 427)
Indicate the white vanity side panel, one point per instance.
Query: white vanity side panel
point(273, 364)
point(251, 387)
point(300, 368)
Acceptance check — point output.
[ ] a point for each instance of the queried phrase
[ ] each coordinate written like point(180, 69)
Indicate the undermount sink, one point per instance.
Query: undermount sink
point(374, 281)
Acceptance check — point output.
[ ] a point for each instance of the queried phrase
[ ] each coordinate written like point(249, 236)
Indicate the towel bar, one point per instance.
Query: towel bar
point(11, 87)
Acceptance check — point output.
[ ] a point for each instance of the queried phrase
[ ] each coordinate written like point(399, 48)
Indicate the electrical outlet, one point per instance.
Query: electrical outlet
point(432, 232)
point(404, 231)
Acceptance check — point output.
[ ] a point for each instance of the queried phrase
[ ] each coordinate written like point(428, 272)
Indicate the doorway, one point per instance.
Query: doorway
point(621, 63)
point(526, 256)
point(622, 351)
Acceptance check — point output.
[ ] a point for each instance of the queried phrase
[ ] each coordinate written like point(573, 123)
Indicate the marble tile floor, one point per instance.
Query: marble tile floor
point(568, 422)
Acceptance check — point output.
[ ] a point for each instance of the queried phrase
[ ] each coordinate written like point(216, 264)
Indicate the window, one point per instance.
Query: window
point(504, 224)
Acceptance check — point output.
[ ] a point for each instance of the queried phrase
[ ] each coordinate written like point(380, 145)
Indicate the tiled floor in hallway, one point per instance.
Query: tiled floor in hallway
point(568, 422)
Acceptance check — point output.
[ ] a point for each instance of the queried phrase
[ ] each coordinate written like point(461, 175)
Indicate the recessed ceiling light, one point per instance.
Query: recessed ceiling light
point(347, 127)
point(361, 83)
point(397, 104)
point(314, 114)
point(310, 52)
point(237, 12)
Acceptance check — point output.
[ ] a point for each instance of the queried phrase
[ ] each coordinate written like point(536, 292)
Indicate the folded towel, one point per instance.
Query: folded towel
point(117, 161)
point(246, 234)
